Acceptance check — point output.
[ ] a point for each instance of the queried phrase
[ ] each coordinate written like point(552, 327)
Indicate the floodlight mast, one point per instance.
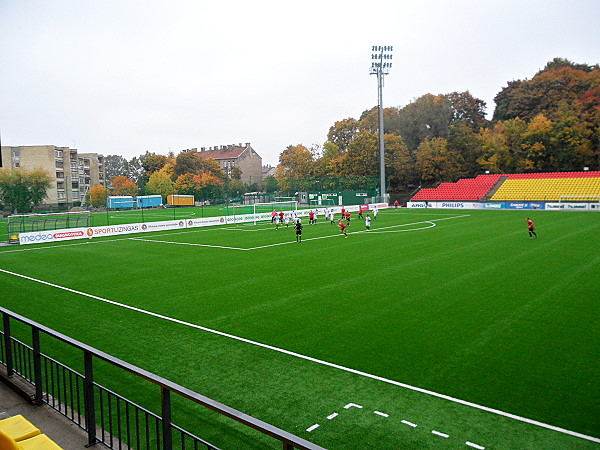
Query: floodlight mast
point(380, 68)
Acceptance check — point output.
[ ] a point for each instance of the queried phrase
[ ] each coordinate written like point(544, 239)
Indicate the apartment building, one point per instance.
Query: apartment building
point(72, 173)
point(230, 156)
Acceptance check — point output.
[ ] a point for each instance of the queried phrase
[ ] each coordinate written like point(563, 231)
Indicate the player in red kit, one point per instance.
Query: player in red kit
point(342, 226)
point(531, 229)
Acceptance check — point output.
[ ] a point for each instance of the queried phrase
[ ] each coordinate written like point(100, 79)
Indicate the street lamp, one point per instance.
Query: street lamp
point(381, 63)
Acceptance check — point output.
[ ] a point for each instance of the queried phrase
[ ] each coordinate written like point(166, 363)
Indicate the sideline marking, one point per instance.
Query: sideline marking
point(478, 447)
point(379, 413)
point(314, 427)
point(318, 361)
point(185, 243)
point(410, 424)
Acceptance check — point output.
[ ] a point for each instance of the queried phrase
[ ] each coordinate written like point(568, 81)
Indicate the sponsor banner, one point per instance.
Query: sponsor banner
point(163, 225)
point(416, 205)
point(492, 205)
point(522, 205)
point(205, 222)
point(457, 205)
point(244, 218)
point(570, 206)
point(363, 207)
point(114, 230)
point(514, 205)
point(37, 237)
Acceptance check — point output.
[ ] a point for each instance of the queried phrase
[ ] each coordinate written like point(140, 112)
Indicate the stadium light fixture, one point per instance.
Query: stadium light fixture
point(381, 63)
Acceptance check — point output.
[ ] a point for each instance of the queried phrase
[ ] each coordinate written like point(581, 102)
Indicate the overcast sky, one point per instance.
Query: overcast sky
point(122, 77)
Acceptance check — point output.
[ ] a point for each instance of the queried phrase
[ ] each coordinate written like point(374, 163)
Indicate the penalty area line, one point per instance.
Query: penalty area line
point(311, 359)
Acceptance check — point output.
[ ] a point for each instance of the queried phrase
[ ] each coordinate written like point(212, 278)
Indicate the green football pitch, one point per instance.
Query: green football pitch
point(436, 329)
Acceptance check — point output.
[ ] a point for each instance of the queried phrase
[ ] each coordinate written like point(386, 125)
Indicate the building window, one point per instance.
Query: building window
point(59, 165)
point(61, 195)
point(73, 165)
point(60, 174)
point(58, 153)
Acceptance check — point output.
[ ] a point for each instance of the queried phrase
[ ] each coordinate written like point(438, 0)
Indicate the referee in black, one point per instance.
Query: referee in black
point(298, 228)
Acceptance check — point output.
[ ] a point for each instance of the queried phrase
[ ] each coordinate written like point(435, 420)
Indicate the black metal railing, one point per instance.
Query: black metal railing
point(107, 417)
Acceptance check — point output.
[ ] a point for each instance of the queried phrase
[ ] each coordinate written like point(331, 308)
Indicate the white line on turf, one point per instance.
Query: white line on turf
point(478, 447)
point(317, 361)
point(352, 405)
point(186, 243)
point(444, 435)
point(332, 416)
point(381, 414)
point(314, 427)
point(410, 424)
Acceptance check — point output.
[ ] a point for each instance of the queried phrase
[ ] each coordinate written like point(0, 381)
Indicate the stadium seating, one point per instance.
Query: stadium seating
point(466, 189)
point(18, 428)
point(538, 187)
point(17, 433)
point(550, 187)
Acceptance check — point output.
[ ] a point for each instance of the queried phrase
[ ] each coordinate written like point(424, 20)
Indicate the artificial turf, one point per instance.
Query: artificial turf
point(460, 303)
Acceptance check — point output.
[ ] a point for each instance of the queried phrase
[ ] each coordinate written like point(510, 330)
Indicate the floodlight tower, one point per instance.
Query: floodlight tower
point(381, 64)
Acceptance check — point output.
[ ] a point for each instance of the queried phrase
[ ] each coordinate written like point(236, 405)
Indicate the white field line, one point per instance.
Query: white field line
point(315, 360)
point(185, 243)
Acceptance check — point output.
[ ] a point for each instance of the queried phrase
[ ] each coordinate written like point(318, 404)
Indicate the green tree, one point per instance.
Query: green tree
point(269, 184)
point(22, 189)
point(114, 166)
point(428, 116)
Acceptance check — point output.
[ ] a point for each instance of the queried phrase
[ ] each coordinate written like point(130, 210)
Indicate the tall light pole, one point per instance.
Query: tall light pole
point(381, 63)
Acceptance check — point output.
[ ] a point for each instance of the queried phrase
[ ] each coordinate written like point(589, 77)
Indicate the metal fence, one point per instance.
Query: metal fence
point(106, 416)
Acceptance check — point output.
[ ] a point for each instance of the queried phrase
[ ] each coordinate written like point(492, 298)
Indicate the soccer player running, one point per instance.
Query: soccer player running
point(368, 222)
point(531, 229)
point(298, 228)
point(342, 226)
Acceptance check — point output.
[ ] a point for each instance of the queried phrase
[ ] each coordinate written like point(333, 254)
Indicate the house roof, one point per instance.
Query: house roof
point(222, 153)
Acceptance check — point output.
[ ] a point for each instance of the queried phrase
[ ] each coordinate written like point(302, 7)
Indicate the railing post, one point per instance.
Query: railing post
point(7, 345)
point(166, 419)
point(88, 398)
point(37, 365)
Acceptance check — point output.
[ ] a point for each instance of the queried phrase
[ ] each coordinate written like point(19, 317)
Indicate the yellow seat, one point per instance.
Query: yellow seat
point(19, 428)
point(39, 442)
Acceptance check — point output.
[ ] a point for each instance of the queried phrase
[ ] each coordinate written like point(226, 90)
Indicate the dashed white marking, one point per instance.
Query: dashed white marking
point(332, 416)
point(352, 405)
point(444, 435)
point(410, 424)
point(314, 427)
point(381, 414)
point(478, 447)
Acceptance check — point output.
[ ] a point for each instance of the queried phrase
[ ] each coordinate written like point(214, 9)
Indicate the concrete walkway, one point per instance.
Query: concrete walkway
point(53, 424)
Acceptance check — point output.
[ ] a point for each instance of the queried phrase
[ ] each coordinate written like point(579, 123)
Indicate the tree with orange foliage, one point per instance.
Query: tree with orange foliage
point(122, 185)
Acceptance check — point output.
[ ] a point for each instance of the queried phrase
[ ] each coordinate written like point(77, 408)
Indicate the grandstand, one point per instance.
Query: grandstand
point(537, 187)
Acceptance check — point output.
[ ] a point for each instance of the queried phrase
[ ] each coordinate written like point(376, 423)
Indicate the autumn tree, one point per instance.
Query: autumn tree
point(161, 182)
point(122, 185)
point(22, 189)
point(436, 162)
point(204, 186)
point(98, 195)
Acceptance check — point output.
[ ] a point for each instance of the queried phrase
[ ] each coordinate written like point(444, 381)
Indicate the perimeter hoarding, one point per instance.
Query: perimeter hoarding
point(37, 237)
